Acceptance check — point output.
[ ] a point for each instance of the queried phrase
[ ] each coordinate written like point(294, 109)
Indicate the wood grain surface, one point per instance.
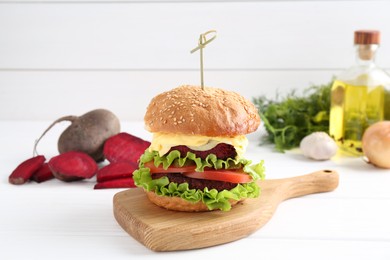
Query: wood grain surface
point(163, 230)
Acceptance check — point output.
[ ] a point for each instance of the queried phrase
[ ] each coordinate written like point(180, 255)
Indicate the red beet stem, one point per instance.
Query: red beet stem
point(26, 169)
point(117, 183)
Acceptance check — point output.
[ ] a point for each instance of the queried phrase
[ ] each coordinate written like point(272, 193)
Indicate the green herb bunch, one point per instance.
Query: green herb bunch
point(289, 120)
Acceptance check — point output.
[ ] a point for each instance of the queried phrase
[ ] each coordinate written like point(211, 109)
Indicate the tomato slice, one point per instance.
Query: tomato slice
point(233, 176)
point(221, 175)
point(160, 169)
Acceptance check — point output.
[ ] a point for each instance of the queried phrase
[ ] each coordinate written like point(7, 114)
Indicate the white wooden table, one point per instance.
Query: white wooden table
point(57, 220)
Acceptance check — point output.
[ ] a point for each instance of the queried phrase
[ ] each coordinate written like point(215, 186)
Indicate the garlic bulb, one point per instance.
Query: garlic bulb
point(318, 146)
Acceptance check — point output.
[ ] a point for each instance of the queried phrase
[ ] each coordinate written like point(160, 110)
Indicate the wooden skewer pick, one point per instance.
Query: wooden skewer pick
point(203, 41)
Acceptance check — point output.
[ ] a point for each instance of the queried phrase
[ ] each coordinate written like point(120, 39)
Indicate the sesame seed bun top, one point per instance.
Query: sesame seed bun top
point(191, 110)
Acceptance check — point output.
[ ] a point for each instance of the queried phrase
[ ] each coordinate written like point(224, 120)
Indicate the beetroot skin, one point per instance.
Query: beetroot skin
point(87, 133)
point(73, 166)
point(116, 171)
point(42, 174)
point(117, 183)
point(26, 169)
point(124, 147)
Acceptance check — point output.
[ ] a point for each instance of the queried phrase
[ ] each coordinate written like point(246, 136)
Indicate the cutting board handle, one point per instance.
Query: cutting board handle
point(315, 182)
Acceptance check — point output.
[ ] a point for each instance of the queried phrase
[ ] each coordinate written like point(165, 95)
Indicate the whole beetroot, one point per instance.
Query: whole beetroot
point(87, 133)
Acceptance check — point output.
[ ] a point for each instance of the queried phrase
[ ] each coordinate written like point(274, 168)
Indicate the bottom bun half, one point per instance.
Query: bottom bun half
point(179, 204)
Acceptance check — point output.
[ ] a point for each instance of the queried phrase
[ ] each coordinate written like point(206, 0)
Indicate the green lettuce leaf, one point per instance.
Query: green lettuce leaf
point(212, 198)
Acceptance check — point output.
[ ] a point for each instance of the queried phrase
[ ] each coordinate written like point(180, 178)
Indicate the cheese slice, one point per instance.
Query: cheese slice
point(163, 142)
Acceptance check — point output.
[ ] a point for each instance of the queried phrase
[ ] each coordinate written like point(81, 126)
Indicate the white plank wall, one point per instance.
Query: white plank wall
point(68, 57)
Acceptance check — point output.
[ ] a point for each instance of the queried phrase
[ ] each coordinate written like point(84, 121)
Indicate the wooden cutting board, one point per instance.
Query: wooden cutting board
point(163, 230)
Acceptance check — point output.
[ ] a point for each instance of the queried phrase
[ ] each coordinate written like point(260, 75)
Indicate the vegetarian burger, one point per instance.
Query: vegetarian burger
point(195, 160)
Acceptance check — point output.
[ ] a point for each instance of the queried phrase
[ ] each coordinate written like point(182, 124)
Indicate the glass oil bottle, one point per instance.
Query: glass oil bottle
point(358, 95)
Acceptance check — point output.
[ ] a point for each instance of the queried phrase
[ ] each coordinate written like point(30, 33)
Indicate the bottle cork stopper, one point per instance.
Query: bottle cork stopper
point(367, 37)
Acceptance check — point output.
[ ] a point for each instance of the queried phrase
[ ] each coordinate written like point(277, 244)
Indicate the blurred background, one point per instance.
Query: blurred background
point(68, 57)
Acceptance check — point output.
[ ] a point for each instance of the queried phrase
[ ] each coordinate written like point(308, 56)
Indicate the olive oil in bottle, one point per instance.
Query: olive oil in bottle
point(358, 95)
point(387, 103)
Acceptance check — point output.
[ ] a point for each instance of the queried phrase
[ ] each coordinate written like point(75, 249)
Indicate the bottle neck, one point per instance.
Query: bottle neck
point(365, 54)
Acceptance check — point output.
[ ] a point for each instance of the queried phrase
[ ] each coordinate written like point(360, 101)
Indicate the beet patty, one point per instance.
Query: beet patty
point(196, 183)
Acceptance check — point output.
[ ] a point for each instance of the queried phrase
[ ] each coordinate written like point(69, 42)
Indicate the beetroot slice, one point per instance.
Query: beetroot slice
point(116, 183)
point(42, 174)
point(26, 169)
point(116, 171)
point(124, 147)
point(73, 166)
